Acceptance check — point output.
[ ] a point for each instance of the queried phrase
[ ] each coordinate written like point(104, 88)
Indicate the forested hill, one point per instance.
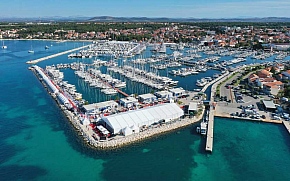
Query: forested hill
point(140, 19)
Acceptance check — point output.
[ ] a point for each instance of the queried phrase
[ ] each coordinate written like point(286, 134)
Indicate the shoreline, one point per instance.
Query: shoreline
point(22, 39)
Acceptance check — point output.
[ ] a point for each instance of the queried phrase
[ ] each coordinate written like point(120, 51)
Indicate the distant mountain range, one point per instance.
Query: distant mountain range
point(141, 19)
point(164, 19)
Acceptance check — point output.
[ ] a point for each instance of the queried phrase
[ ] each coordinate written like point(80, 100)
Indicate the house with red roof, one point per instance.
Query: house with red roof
point(273, 87)
point(264, 74)
point(252, 78)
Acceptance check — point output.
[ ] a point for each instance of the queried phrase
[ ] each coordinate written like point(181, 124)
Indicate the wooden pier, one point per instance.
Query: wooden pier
point(55, 55)
point(121, 92)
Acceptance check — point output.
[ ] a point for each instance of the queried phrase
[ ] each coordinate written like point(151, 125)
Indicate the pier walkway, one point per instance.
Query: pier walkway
point(118, 90)
point(210, 126)
point(55, 55)
point(121, 92)
point(287, 125)
point(213, 81)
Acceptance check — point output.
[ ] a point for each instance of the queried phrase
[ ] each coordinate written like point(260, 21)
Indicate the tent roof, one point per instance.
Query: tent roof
point(145, 116)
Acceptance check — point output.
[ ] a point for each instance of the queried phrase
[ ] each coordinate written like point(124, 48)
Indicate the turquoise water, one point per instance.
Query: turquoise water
point(37, 143)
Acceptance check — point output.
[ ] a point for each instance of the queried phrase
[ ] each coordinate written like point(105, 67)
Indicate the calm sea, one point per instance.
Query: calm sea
point(37, 143)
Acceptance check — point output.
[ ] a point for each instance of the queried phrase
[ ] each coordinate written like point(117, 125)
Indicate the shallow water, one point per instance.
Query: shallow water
point(38, 143)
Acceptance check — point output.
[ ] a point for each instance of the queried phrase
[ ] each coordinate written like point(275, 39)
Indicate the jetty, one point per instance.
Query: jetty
point(213, 81)
point(55, 55)
point(287, 125)
point(209, 138)
point(210, 126)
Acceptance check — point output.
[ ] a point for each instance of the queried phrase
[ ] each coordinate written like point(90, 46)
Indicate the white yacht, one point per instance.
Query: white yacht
point(109, 91)
point(3, 46)
point(203, 128)
point(201, 83)
point(31, 50)
point(162, 49)
point(120, 84)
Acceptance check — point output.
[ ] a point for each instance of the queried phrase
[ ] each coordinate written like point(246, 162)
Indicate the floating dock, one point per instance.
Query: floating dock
point(55, 55)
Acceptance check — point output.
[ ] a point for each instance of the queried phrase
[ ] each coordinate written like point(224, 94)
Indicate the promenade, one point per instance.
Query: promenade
point(55, 55)
point(210, 126)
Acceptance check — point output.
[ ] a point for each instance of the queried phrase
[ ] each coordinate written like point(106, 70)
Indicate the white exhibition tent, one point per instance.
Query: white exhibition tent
point(85, 121)
point(142, 117)
point(127, 131)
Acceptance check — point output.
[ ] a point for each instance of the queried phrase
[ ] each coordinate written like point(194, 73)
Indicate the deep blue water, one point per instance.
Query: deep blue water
point(37, 143)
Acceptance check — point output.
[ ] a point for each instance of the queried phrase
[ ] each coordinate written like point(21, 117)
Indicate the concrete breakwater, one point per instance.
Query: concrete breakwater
point(89, 136)
point(55, 55)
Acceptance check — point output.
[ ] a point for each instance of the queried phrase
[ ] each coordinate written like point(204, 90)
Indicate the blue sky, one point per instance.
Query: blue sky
point(148, 8)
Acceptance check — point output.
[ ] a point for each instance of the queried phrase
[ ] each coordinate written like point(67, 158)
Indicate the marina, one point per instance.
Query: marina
point(40, 119)
point(98, 134)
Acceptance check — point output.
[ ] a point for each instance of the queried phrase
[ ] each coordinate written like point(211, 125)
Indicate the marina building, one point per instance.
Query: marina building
point(192, 108)
point(147, 98)
point(129, 122)
point(128, 102)
point(269, 105)
point(163, 94)
point(99, 107)
point(177, 92)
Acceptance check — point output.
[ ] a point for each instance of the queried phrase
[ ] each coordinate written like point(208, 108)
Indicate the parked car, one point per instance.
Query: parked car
point(271, 96)
point(255, 96)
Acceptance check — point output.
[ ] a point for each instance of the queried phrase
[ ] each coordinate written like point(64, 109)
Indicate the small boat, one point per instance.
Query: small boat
point(109, 91)
point(3, 46)
point(31, 50)
point(46, 47)
point(198, 129)
point(203, 128)
point(196, 90)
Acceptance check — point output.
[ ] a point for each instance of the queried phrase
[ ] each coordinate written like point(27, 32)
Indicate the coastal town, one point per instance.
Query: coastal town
point(234, 35)
point(256, 91)
point(145, 90)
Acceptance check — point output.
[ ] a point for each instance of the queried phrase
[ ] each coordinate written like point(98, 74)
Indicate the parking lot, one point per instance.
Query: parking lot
point(234, 102)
